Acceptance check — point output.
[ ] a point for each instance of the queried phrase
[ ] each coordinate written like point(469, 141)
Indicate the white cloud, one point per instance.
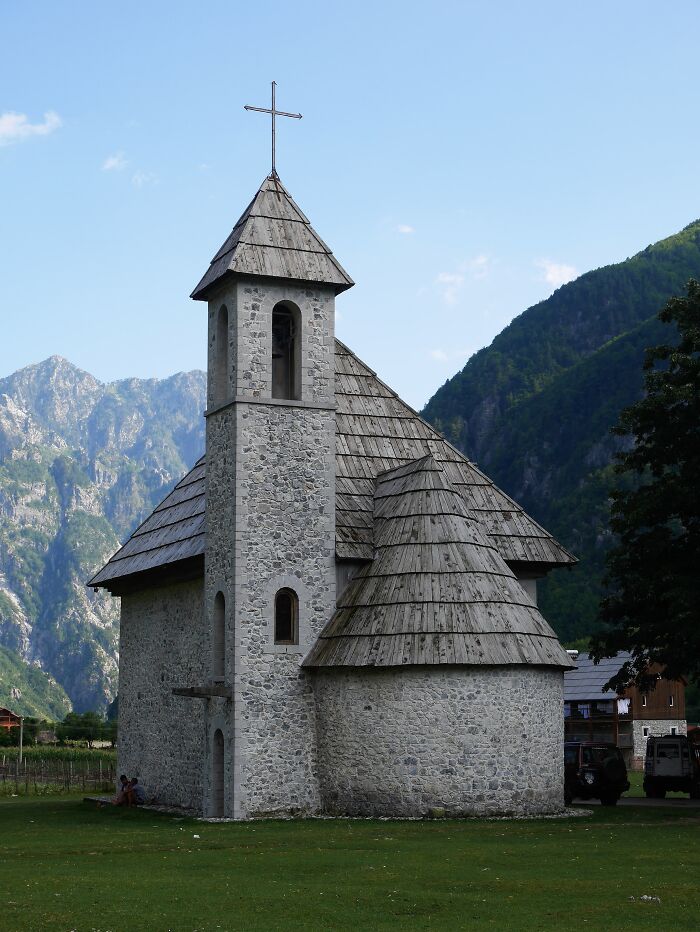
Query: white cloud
point(15, 127)
point(450, 356)
point(555, 273)
point(480, 266)
point(450, 284)
point(405, 228)
point(141, 178)
point(115, 163)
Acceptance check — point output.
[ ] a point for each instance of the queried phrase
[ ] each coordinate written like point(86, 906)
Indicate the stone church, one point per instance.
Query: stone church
point(334, 611)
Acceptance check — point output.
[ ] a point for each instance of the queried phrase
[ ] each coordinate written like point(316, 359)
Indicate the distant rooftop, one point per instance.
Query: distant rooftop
point(587, 680)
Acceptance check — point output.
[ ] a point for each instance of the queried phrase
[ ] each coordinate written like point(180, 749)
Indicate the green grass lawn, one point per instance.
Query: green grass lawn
point(67, 865)
point(636, 791)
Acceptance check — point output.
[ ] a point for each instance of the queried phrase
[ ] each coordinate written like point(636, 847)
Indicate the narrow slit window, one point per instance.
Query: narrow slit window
point(670, 701)
point(286, 617)
point(219, 638)
point(285, 352)
point(221, 387)
point(217, 776)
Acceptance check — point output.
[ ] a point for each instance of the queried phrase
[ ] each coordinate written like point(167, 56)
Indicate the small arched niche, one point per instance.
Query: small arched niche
point(217, 775)
point(286, 351)
point(286, 617)
point(218, 647)
point(221, 364)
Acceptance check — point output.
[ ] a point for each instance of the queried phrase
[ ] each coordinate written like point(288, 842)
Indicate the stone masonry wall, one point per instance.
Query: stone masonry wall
point(271, 524)
point(656, 726)
point(219, 573)
point(161, 736)
point(476, 740)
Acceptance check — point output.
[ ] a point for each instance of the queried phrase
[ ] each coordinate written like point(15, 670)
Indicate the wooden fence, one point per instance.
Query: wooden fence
point(70, 775)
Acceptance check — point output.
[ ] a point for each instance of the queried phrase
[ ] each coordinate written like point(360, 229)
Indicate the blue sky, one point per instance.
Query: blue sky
point(461, 159)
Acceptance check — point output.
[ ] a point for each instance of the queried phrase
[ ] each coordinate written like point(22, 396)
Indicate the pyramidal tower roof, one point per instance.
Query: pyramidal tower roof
point(274, 239)
point(437, 591)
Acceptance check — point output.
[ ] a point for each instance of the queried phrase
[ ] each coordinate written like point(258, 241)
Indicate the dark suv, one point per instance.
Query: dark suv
point(594, 770)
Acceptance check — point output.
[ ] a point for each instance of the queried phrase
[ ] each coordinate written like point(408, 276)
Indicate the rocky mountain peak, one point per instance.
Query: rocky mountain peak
point(81, 464)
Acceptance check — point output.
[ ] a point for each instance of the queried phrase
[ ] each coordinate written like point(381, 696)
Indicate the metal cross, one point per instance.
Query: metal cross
point(273, 113)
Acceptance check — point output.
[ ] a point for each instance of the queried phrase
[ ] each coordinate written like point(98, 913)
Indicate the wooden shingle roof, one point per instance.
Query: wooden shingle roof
point(375, 431)
point(437, 590)
point(588, 679)
point(273, 238)
point(173, 533)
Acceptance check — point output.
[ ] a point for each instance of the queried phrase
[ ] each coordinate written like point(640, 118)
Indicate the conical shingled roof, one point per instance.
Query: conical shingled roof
point(274, 239)
point(437, 591)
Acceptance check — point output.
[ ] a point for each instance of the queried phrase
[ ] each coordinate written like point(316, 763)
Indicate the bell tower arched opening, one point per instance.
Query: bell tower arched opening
point(286, 351)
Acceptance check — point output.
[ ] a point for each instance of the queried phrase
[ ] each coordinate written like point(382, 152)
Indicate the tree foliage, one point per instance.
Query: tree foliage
point(653, 571)
point(88, 727)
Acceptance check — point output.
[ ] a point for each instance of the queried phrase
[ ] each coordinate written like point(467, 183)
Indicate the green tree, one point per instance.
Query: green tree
point(653, 571)
point(88, 727)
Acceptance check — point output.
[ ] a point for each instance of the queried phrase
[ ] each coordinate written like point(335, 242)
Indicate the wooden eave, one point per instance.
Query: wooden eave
point(157, 577)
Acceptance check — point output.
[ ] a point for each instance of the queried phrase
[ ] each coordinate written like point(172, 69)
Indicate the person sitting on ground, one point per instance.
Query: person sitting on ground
point(121, 799)
point(136, 793)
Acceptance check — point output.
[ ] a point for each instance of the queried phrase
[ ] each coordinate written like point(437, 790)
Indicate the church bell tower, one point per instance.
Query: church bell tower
point(270, 502)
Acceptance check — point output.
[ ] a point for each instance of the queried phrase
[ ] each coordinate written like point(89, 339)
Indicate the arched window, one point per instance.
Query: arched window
point(218, 647)
point(286, 617)
point(217, 775)
point(285, 351)
point(221, 386)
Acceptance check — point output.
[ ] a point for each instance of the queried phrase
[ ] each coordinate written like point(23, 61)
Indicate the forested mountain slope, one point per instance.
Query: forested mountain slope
point(81, 463)
point(555, 335)
point(536, 407)
point(27, 690)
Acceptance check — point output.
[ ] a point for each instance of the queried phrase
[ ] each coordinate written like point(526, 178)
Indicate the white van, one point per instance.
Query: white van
point(672, 765)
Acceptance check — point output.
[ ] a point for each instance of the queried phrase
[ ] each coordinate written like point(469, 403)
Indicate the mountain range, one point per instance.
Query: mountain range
point(83, 462)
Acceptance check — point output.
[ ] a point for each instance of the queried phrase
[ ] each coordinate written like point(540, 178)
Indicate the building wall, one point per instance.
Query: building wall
point(476, 740)
point(161, 736)
point(656, 727)
point(270, 525)
point(529, 584)
point(658, 701)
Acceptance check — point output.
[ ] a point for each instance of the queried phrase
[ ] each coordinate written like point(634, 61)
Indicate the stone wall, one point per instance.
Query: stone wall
point(161, 736)
point(476, 740)
point(656, 726)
